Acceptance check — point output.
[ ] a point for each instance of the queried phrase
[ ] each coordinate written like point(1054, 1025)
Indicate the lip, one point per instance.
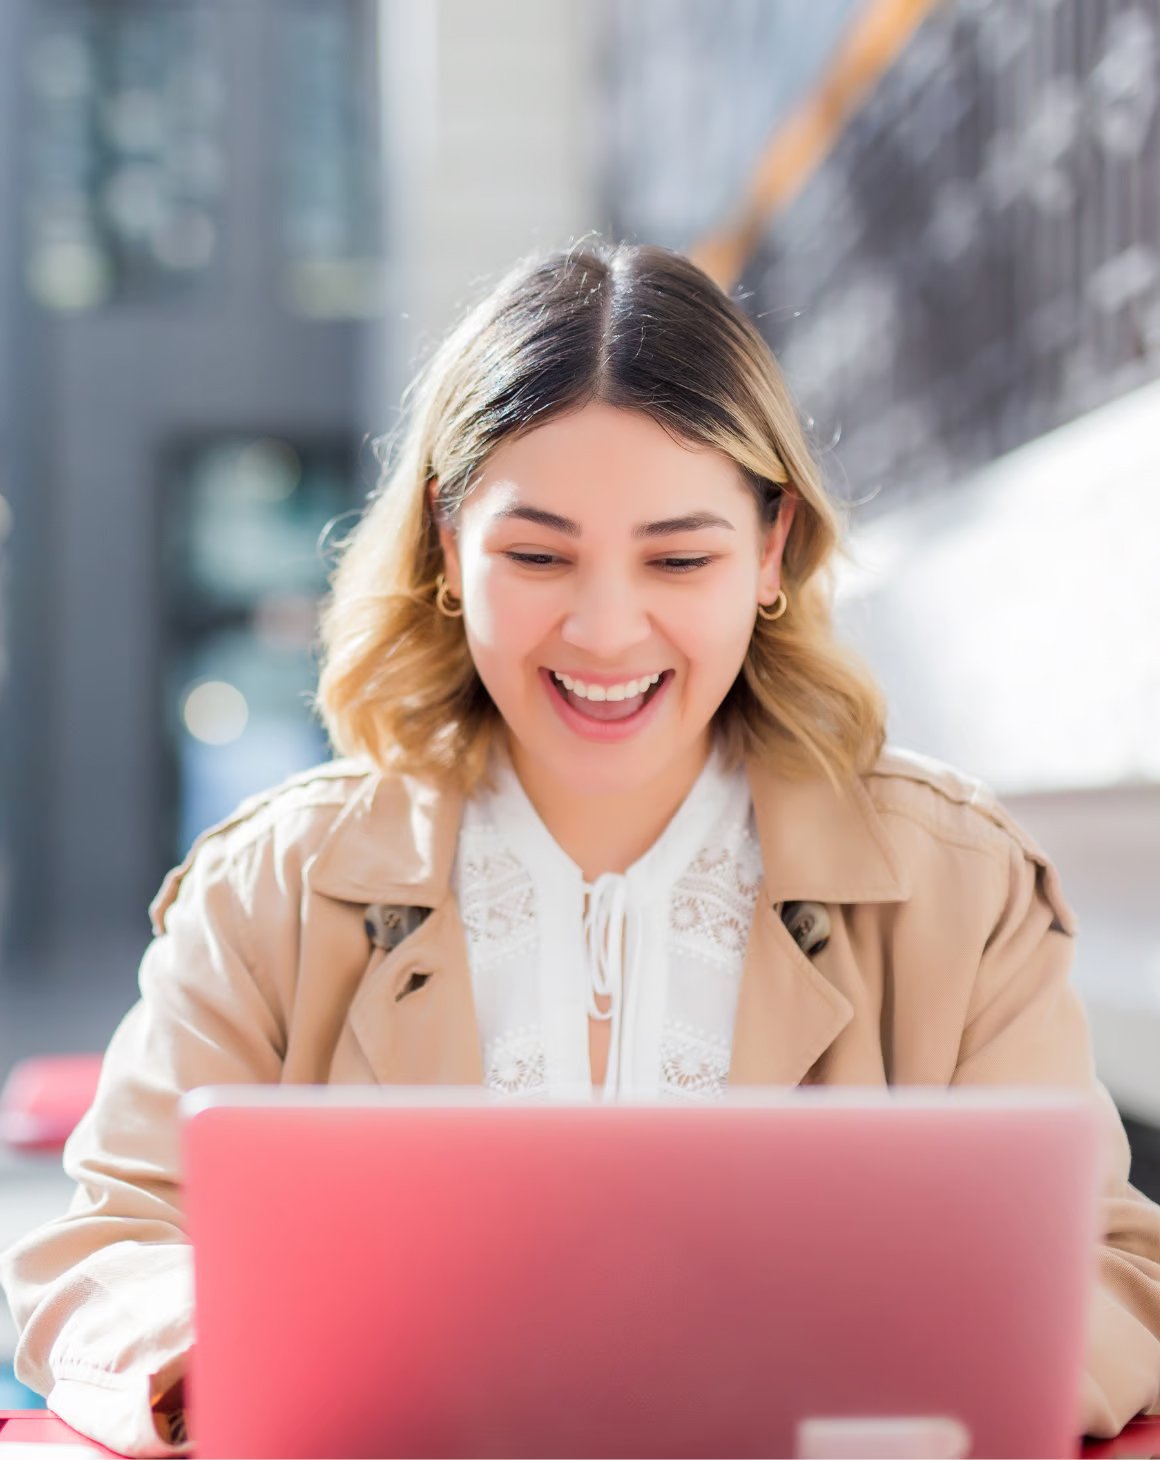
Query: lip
point(604, 679)
point(606, 731)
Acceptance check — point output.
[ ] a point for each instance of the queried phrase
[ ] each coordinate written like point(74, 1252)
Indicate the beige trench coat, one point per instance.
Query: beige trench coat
point(947, 964)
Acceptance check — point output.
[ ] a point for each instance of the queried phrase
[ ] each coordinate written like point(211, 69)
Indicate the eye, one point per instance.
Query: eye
point(684, 565)
point(534, 560)
point(670, 565)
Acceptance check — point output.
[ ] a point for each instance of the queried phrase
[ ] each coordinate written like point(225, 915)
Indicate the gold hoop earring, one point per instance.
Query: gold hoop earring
point(774, 610)
point(445, 601)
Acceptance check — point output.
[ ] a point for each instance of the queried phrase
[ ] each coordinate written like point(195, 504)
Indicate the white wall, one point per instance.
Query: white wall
point(1106, 844)
point(1015, 620)
point(1015, 625)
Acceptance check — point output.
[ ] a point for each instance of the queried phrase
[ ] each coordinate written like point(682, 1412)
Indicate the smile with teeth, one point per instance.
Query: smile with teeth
point(627, 691)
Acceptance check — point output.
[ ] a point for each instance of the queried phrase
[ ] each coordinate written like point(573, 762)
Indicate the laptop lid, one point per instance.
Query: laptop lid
point(426, 1271)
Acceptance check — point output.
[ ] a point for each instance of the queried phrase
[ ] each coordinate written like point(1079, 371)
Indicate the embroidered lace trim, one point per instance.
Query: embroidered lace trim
point(709, 917)
point(515, 1063)
point(692, 1063)
point(498, 904)
point(712, 902)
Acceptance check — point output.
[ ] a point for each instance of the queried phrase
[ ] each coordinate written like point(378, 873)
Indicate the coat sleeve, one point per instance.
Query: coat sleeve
point(103, 1296)
point(1026, 1025)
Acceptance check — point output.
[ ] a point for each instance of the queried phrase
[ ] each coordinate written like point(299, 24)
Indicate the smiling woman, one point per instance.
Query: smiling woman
point(617, 822)
point(610, 577)
point(605, 467)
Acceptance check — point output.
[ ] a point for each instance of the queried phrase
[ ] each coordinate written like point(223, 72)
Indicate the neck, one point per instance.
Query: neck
point(608, 832)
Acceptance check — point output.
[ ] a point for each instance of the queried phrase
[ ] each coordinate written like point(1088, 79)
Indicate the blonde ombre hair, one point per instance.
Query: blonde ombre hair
point(637, 327)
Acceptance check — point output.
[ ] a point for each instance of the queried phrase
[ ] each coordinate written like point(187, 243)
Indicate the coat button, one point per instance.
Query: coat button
point(808, 924)
point(388, 923)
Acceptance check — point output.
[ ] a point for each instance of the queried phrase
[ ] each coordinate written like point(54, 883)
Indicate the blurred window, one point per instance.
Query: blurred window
point(331, 194)
point(244, 567)
point(126, 161)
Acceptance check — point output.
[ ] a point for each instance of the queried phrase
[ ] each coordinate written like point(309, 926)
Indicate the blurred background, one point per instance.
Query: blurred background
point(229, 232)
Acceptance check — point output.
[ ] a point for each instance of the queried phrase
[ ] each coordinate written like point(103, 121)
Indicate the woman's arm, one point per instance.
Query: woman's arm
point(1027, 1025)
point(103, 1296)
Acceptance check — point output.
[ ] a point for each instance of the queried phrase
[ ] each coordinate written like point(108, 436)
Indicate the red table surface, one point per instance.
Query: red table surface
point(1141, 1438)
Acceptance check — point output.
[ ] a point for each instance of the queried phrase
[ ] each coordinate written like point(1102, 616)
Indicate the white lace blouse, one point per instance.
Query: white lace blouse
point(665, 940)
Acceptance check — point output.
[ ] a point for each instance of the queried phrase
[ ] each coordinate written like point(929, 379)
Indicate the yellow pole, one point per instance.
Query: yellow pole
point(802, 142)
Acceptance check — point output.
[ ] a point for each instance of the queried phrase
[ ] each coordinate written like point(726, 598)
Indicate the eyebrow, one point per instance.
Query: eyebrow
point(664, 528)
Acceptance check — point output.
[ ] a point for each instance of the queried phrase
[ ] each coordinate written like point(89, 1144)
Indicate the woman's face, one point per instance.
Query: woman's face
point(599, 548)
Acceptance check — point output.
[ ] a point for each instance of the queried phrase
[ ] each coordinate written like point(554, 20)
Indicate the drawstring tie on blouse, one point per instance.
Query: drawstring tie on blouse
point(605, 939)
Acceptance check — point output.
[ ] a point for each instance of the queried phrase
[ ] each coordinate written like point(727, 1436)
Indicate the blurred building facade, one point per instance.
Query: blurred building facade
point(196, 197)
point(974, 263)
point(178, 428)
point(964, 296)
point(239, 230)
point(978, 261)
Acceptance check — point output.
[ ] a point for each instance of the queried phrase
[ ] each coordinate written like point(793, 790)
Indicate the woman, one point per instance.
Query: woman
point(617, 817)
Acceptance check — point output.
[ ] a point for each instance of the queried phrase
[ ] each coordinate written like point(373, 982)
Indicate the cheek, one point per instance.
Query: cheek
point(713, 626)
point(506, 620)
point(484, 601)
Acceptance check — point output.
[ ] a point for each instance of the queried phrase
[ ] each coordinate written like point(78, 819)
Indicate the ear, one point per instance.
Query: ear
point(770, 569)
point(447, 541)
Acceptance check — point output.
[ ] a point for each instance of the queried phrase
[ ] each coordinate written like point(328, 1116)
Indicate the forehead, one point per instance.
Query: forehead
point(606, 458)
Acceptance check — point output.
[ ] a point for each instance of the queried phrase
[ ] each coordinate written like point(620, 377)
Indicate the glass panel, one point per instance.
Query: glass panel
point(244, 570)
point(126, 162)
point(331, 193)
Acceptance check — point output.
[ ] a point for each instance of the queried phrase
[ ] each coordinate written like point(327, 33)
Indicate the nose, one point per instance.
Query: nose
point(607, 616)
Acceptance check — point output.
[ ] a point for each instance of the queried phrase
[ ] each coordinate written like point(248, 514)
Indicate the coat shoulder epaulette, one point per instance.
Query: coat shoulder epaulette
point(327, 784)
point(893, 786)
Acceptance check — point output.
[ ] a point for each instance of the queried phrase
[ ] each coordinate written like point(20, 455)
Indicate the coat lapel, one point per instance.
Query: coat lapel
point(817, 845)
point(395, 843)
point(788, 1014)
point(420, 1033)
point(412, 1014)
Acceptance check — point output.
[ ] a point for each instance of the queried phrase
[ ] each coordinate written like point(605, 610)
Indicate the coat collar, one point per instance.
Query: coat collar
point(819, 844)
point(395, 841)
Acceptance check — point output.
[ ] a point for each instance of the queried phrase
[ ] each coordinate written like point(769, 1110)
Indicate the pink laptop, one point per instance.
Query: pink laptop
point(425, 1271)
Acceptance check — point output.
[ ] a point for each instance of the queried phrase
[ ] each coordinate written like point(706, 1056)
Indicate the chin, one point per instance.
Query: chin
point(606, 770)
point(585, 767)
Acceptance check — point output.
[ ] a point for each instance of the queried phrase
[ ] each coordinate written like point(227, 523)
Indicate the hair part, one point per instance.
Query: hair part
point(641, 328)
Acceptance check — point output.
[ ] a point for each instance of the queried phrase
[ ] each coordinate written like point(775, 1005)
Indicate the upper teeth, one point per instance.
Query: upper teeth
point(606, 691)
